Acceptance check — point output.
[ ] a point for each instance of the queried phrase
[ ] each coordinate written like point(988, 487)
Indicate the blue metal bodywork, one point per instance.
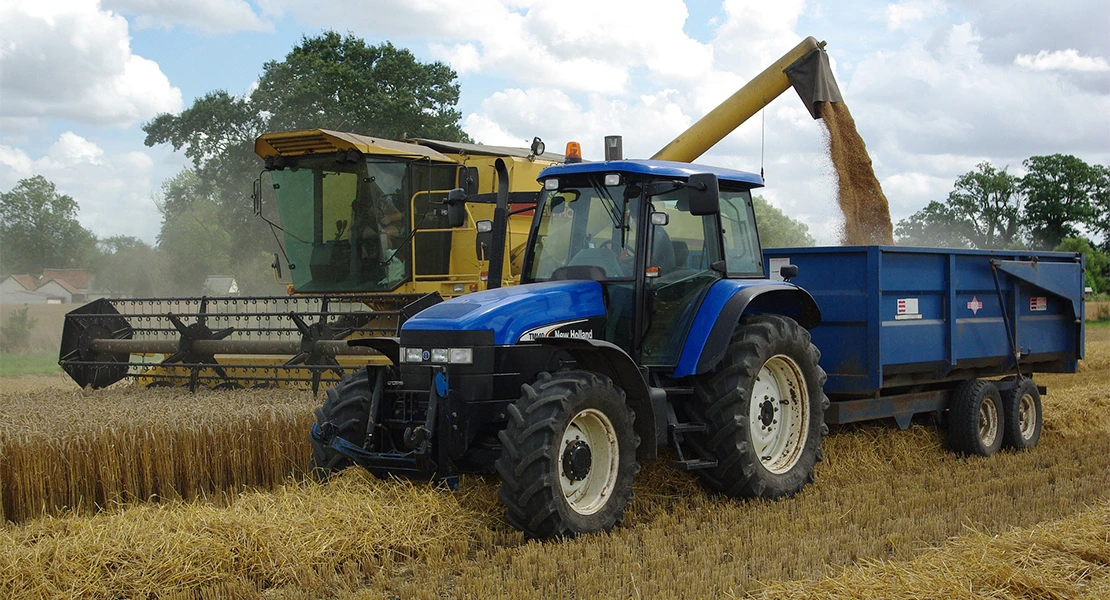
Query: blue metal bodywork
point(894, 317)
point(653, 168)
point(511, 311)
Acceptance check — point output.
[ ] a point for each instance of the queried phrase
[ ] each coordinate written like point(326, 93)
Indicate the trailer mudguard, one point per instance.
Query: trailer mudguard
point(728, 300)
point(613, 362)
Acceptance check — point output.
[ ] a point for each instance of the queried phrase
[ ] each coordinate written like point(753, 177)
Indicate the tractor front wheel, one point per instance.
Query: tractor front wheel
point(568, 456)
point(764, 411)
point(347, 408)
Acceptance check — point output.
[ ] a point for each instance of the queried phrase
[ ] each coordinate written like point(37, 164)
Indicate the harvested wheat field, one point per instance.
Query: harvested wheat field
point(892, 514)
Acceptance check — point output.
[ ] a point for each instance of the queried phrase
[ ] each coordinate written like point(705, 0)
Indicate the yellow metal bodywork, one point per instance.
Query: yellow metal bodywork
point(738, 108)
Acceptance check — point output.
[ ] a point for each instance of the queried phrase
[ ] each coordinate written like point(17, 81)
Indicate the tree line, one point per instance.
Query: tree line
point(1061, 203)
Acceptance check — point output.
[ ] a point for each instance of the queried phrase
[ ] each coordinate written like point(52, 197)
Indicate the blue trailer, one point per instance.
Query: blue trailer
point(906, 330)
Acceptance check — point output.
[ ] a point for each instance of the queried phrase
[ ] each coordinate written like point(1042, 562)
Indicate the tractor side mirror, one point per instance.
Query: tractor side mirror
point(483, 241)
point(456, 209)
point(704, 194)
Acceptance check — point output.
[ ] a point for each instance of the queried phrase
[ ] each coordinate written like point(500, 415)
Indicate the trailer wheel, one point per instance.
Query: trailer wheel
point(1022, 414)
point(568, 456)
point(975, 418)
point(764, 410)
point(347, 408)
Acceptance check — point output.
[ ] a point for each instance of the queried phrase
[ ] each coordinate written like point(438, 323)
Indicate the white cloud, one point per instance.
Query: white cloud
point(1062, 60)
point(74, 61)
point(213, 16)
point(112, 190)
point(902, 14)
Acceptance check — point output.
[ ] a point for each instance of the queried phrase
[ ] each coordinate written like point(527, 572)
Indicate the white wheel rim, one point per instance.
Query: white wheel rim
point(1027, 416)
point(588, 494)
point(988, 422)
point(778, 414)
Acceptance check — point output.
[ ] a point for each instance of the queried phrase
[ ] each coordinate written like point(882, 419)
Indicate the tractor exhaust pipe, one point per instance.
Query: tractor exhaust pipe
point(500, 225)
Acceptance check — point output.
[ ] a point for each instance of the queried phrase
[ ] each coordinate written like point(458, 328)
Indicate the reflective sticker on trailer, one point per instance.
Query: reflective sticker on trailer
point(907, 309)
point(1038, 303)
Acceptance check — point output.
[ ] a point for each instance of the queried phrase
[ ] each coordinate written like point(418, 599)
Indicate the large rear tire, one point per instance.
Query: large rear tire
point(975, 418)
point(764, 410)
point(1022, 415)
point(568, 456)
point(347, 407)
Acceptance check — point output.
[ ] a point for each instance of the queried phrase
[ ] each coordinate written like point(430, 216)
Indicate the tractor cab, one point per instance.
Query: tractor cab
point(655, 234)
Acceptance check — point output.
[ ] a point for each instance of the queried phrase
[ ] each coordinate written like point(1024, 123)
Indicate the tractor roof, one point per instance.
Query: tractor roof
point(653, 168)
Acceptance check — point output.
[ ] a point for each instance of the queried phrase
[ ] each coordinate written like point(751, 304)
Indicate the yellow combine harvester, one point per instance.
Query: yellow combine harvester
point(368, 242)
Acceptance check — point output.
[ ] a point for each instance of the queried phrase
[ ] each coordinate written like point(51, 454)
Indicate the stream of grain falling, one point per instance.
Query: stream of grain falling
point(865, 208)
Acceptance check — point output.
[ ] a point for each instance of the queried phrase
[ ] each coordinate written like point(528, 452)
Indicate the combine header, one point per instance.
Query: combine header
point(370, 238)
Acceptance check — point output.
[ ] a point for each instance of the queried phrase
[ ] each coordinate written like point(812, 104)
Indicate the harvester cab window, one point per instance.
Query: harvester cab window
point(743, 256)
point(342, 225)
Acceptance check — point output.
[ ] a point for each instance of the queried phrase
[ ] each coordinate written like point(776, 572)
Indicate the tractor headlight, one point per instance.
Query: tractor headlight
point(439, 355)
point(461, 356)
point(413, 355)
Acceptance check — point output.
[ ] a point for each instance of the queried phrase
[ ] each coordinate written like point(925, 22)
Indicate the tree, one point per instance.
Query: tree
point(1100, 200)
point(936, 225)
point(1098, 263)
point(982, 211)
point(986, 207)
point(328, 81)
point(1059, 190)
point(128, 266)
point(39, 229)
point(776, 230)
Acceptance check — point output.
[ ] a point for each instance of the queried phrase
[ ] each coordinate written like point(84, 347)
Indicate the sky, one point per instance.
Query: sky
point(935, 87)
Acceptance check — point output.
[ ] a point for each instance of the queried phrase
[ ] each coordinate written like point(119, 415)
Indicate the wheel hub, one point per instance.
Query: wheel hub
point(576, 460)
point(767, 412)
point(778, 414)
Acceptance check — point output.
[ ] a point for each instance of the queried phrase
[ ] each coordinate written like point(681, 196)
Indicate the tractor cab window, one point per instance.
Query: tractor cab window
point(742, 253)
point(343, 222)
point(586, 231)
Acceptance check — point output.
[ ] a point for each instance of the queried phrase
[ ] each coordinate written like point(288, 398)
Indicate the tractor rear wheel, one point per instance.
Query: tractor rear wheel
point(975, 418)
point(568, 456)
point(347, 407)
point(1022, 415)
point(764, 411)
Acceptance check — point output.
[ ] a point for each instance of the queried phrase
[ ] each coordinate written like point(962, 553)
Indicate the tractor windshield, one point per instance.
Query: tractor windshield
point(347, 225)
point(588, 225)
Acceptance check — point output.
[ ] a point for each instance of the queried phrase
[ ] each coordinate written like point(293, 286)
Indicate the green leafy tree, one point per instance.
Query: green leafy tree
point(1098, 262)
point(129, 266)
point(328, 81)
point(986, 207)
point(936, 225)
point(1100, 199)
point(982, 211)
point(776, 230)
point(15, 335)
point(1059, 190)
point(193, 237)
point(39, 229)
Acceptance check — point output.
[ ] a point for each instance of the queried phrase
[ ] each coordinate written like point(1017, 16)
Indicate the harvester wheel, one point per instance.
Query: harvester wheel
point(568, 456)
point(975, 418)
point(347, 408)
point(1022, 415)
point(764, 410)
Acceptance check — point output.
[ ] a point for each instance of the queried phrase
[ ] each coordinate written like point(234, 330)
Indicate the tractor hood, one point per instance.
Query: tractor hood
point(515, 312)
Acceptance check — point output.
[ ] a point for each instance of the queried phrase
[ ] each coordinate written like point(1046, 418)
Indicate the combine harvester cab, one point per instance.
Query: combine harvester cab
point(368, 240)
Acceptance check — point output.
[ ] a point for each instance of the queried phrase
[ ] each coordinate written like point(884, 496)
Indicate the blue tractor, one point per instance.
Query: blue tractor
point(644, 319)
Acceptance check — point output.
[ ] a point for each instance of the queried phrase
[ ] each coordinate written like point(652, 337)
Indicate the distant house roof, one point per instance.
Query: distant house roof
point(79, 279)
point(29, 282)
point(220, 284)
point(62, 282)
